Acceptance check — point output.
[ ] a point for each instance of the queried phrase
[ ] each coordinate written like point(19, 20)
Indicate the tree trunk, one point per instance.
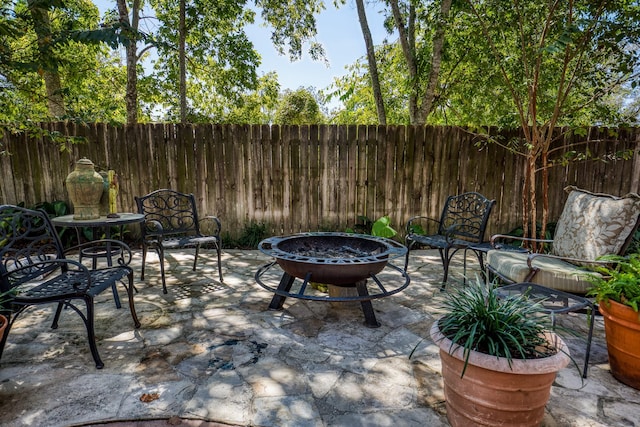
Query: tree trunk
point(55, 100)
point(182, 61)
point(49, 69)
point(436, 61)
point(131, 97)
point(373, 67)
point(407, 42)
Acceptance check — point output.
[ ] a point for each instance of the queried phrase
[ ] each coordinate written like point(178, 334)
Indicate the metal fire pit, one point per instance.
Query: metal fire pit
point(342, 259)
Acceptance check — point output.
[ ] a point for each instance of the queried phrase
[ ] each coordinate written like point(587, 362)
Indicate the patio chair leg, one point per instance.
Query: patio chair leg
point(144, 259)
point(219, 263)
point(444, 256)
point(89, 323)
point(591, 313)
point(161, 256)
point(409, 245)
point(132, 307)
point(195, 259)
point(54, 325)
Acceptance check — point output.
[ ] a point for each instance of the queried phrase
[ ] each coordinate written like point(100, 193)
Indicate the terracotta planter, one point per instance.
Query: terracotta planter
point(492, 393)
point(85, 187)
point(622, 330)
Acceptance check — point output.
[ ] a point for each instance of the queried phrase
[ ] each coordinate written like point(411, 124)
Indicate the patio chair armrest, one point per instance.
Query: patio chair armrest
point(499, 239)
point(117, 247)
point(153, 228)
point(38, 271)
point(217, 227)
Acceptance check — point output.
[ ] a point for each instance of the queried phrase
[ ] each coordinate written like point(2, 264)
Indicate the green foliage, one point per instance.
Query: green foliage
point(298, 107)
point(416, 228)
point(634, 246)
point(73, 49)
point(59, 208)
point(221, 60)
point(251, 235)
point(477, 319)
point(294, 24)
point(354, 90)
point(380, 227)
point(256, 106)
point(55, 208)
point(619, 282)
point(487, 73)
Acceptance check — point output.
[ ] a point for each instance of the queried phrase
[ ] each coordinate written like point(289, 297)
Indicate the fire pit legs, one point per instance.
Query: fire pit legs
point(285, 285)
point(287, 280)
point(367, 308)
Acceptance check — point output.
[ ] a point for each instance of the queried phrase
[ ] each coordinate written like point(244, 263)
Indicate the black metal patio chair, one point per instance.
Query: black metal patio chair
point(34, 271)
point(462, 224)
point(172, 222)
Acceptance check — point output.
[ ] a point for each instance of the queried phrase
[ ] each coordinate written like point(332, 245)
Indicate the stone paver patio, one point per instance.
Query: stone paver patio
point(211, 351)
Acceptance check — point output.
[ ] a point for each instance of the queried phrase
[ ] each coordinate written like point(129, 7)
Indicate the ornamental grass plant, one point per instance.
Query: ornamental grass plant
point(478, 319)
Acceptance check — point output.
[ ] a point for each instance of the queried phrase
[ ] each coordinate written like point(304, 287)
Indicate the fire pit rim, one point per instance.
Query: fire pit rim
point(392, 249)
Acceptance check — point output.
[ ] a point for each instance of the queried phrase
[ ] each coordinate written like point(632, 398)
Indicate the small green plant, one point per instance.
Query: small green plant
point(634, 246)
point(251, 235)
point(511, 327)
point(417, 229)
point(379, 228)
point(619, 282)
point(60, 208)
point(55, 208)
point(382, 228)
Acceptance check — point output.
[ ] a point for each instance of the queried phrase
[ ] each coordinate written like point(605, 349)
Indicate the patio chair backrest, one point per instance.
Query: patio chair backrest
point(593, 224)
point(465, 217)
point(27, 237)
point(174, 211)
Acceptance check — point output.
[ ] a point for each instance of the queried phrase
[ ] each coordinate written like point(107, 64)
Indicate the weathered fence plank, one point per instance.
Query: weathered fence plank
point(318, 177)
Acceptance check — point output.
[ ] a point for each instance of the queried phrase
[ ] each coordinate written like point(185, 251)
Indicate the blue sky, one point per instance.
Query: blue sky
point(338, 31)
point(340, 34)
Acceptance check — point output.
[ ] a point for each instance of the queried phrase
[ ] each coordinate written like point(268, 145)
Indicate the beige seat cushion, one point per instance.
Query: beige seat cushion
point(592, 225)
point(553, 273)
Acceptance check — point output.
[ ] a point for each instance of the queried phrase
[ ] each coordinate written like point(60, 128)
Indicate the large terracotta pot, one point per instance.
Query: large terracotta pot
point(492, 393)
point(85, 187)
point(622, 330)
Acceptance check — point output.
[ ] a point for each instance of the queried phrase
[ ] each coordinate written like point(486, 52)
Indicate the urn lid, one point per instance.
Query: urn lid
point(84, 162)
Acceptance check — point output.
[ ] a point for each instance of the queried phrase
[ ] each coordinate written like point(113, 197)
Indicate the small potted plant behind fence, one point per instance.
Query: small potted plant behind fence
point(499, 358)
point(617, 293)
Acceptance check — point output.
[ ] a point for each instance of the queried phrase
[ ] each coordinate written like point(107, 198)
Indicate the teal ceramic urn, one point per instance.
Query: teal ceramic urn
point(85, 187)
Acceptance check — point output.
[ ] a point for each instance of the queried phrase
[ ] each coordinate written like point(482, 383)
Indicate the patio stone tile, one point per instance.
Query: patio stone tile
point(211, 353)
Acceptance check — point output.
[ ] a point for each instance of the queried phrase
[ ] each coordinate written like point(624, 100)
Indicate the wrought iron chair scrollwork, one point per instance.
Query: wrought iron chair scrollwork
point(462, 223)
point(172, 222)
point(34, 270)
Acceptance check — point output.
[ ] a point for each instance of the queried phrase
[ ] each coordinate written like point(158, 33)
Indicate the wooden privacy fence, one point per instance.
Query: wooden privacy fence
point(308, 178)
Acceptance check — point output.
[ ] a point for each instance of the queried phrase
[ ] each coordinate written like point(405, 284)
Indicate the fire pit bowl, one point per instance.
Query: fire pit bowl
point(332, 258)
